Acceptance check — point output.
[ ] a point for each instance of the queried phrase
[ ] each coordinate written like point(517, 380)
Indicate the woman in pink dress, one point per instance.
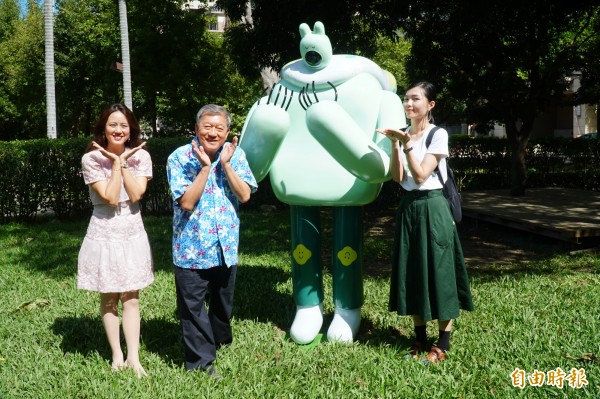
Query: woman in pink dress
point(115, 258)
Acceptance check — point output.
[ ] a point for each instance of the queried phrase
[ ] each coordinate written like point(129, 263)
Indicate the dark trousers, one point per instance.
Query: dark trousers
point(204, 331)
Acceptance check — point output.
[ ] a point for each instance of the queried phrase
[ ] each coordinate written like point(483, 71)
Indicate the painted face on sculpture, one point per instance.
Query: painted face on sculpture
point(315, 47)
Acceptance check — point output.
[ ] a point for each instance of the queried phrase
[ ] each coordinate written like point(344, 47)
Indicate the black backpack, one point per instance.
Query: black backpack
point(449, 187)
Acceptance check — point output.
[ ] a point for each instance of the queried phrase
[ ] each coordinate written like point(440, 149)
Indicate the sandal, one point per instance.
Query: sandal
point(435, 355)
point(416, 349)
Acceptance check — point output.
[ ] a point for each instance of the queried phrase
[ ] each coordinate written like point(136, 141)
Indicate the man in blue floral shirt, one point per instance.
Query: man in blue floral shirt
point(208, 178)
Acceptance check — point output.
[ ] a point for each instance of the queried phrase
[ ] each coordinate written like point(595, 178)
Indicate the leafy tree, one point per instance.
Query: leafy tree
point(265, 34)
point(171, 58)
point(505, 61)
point(178, 66)
point(86, 44)
point(23, 75)
point(9, 19)
point(391, 55)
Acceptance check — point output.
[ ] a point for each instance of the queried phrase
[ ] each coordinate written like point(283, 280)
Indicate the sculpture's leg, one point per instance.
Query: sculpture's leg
point(307, 275)
point(347, 273)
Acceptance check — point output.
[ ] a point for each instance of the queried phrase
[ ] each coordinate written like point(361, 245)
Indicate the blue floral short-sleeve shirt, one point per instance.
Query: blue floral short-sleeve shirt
point(200, 235)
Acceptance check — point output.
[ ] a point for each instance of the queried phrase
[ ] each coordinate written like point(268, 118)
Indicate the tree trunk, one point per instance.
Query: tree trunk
point(51, 129)
point(267, 75)
point(518, 167)
point(125, 54)
point(154, 115)
point(518, 133)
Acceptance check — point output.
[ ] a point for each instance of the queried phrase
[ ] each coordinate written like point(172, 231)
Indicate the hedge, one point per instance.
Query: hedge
point(44, 176)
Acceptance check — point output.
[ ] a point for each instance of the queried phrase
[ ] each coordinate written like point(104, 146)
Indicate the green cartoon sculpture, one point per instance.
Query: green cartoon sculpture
point(314, 134)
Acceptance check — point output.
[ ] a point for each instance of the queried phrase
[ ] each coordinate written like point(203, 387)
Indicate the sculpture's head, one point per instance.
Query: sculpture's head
point(315, 47)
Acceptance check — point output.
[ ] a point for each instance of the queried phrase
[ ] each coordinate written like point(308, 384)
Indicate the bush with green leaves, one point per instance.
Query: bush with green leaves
point(44, 175)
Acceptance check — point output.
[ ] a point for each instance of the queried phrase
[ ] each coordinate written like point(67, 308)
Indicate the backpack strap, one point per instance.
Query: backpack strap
point(427, 143)
point(430, 136)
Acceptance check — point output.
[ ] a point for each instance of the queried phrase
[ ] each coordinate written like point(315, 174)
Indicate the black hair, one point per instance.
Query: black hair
point(428, 89)
point(134, 127)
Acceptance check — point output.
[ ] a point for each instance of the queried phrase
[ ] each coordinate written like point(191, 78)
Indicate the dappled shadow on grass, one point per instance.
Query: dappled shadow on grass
point(398, 337)
point(369, 334)
point(51, 246)
point(86, 335)
point(160, 235)
point(492, 251)
point(257, 297)
point(163, 337)
point(263, 232)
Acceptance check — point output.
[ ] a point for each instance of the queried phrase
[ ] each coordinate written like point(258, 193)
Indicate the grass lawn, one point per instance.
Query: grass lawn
point(538, 315)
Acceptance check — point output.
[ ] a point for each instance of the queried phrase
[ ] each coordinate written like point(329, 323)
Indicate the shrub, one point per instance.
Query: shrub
point(45, 175)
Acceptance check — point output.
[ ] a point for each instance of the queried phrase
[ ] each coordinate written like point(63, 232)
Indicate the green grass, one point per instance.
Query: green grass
point(538, 315)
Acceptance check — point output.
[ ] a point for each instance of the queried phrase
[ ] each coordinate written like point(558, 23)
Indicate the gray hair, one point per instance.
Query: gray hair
point(213, 109)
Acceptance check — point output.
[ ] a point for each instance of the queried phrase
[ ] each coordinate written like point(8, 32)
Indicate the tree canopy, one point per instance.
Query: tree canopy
point(21, 69)
point(495, 61)
point(498, 61)
point(177, 66)
point(505, 61)
point(266, 35)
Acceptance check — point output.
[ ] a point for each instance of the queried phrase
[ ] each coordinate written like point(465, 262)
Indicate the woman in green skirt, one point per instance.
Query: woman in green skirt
point(429, 278)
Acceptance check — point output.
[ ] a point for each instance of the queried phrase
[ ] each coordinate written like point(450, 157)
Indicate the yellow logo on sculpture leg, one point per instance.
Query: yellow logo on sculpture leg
point(301, 254)
point(347, 256)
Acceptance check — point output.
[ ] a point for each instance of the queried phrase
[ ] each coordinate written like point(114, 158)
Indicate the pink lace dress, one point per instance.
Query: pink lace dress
point(115, 255)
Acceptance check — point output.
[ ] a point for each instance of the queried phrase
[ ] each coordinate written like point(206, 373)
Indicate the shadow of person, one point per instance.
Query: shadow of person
point(398, 337)
point(262, 295)
point(163, 337)
point(84, 335)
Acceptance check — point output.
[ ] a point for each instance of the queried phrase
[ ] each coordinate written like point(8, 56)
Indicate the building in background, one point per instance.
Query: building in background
point(563, 121)
point(219, 21)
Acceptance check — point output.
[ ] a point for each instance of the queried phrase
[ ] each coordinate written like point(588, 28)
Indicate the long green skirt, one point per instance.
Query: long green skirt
point(429, 277)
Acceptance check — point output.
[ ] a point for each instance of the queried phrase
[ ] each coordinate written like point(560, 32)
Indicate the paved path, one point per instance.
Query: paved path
point(565, 214)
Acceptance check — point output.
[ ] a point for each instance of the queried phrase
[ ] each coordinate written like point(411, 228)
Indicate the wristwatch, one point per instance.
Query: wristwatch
point(125, 165)
point(407, 150)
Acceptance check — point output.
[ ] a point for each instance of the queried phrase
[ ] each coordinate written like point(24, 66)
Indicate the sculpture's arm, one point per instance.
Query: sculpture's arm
point(344, 139)
point(265, 129)
point(391, 114)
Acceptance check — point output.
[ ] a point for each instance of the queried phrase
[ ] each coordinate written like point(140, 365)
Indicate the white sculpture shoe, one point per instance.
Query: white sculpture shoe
point(344, 325)
point(307, 323)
